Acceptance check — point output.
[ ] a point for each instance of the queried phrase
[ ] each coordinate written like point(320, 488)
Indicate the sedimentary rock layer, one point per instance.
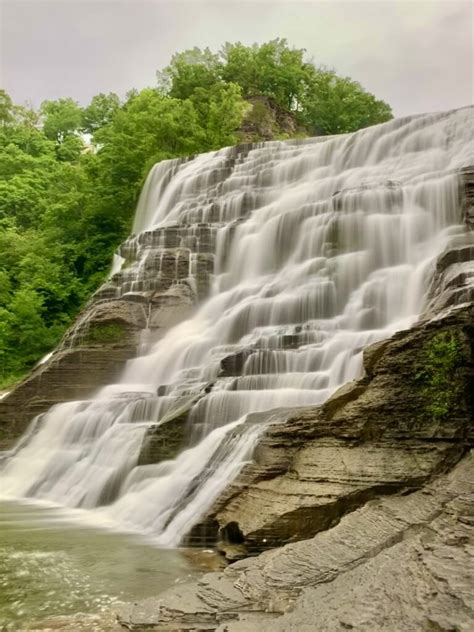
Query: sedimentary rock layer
point(379, 484)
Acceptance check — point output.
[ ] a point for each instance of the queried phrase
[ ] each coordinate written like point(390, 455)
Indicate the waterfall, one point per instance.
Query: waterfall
point(318, 247)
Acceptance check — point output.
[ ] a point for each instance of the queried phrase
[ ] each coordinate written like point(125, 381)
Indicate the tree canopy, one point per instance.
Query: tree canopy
point(320, 100)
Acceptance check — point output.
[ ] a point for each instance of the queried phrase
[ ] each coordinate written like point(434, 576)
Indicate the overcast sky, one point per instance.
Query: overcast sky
point(418, 56)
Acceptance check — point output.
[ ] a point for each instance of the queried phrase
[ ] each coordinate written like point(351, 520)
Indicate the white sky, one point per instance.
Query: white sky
point(418, 56)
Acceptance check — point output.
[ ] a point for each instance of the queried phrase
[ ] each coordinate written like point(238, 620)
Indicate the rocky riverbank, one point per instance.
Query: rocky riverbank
point(378, 486)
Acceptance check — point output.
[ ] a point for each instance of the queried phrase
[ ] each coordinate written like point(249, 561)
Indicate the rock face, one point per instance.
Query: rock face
point(375, 436)
point(376, 483)
point(94, 351)
point(266, 120)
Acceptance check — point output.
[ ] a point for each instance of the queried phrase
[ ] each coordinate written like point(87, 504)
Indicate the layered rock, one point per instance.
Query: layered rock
point(95, 350)
point(381, 483)
point(398, 563)
point(374, 436)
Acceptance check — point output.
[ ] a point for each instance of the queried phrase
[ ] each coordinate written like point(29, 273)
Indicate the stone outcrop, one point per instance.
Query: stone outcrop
point(165, 440)
point(266, 120)
point(398, 563)
point(377, 487)
point(375, 436)
point(93, 352)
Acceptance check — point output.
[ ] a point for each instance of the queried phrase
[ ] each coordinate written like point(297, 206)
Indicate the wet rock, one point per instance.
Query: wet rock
point(165, 440)
point(92, 354)
point(373, 437)
point(233, 364)
point(397, 563)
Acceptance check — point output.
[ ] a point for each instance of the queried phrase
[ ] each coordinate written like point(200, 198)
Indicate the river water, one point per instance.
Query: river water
point(51, 566)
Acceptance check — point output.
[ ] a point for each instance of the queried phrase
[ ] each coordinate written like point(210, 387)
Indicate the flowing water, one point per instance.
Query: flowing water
point(317, 248)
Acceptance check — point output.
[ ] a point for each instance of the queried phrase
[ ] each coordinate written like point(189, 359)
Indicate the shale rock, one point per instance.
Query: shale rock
point(92, 354)
point(397, 563)
point(380, 435)
point(378, 489)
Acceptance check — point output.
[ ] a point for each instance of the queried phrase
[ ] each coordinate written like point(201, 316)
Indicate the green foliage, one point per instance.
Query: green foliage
point(105, 333)
point(71, 176)
point(189, 70)
point(61, 118)
point(101, 111)
point(6, 108)
point(439, 375)
point(272, 69)
point(321, 101)
point(337, 105)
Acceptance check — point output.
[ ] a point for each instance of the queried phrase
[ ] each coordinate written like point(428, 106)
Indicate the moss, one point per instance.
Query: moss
point(440, 375)
point(10, 381)
point(128, 262)
point(104, 332)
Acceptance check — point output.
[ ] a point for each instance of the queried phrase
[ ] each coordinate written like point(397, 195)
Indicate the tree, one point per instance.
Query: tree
point(100, 112)
point(272, 69)
point(189, 70)
point(6, 108)
point(61, 118)
point(335, 105)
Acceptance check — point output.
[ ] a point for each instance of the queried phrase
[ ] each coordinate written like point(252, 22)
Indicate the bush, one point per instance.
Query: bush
point(440, 375)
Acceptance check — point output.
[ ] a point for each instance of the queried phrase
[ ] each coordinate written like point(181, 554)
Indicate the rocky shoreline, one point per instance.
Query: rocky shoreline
point(380, 494)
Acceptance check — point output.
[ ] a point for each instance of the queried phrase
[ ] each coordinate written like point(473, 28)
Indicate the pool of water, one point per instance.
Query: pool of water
point(51, 566)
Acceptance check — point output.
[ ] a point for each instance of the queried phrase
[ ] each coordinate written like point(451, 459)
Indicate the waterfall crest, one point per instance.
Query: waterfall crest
point(313, 250)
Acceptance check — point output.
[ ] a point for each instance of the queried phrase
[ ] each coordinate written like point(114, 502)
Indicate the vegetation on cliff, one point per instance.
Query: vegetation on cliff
point(441, 375)
point(71, 175)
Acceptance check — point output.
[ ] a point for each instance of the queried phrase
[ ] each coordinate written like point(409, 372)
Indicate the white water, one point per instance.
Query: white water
point(321, 247)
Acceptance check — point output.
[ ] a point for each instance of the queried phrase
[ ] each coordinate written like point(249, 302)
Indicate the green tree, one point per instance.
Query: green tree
point(6, 108)
point(189, 70)
point(272, 69)
point(100, 112)
point(317, 98)
point(61, 118)
point(335, 105)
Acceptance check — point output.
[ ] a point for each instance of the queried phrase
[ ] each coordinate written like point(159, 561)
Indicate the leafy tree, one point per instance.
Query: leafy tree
point(6, 108)
point(61, 118)
point(320, 100)
point(100, 112)
point(335, 105)
point(272, 69)
point(189, 70)
point(70, 149)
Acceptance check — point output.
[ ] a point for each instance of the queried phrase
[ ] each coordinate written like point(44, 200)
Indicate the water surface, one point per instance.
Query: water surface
point(51, 566)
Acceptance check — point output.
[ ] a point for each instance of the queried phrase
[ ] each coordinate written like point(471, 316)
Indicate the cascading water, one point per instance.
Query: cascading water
point(320, 247)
